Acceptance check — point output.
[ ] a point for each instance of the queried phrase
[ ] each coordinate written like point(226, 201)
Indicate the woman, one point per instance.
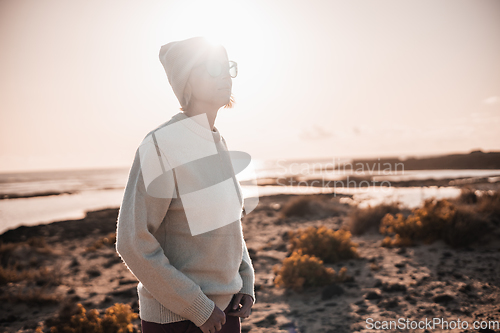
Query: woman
point(179, 226)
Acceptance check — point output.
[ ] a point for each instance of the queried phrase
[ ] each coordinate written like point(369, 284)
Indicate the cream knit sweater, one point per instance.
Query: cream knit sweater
point(181, 276)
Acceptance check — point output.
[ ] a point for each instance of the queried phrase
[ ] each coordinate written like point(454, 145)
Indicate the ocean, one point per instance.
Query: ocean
point(29, 198)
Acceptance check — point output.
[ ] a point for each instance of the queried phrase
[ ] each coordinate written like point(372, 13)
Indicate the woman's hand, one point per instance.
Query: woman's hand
point(241, 305)
point(215, 322)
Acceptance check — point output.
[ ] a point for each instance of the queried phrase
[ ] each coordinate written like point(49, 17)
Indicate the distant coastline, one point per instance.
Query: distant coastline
point(46, 183)
point(476, 159)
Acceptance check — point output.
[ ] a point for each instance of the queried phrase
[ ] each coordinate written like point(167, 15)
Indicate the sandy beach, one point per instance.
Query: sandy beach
point(75, 262)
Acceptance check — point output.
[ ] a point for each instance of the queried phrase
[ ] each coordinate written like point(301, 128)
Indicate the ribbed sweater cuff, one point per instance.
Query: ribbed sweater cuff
point(200, 310)
point(248, 286)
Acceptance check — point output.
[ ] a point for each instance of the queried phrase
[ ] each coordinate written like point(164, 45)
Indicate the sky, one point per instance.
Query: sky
point(81, 83)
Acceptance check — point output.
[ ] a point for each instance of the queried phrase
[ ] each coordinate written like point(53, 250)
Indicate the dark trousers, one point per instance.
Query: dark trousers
point(232, 325)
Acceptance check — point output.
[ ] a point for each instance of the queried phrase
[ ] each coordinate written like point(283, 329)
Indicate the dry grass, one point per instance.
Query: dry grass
point(466, 227)
point(108, 240)
point(362, 220)
point(467, 197)
point(302, 206)
point(24, 261)
point(486, 203)
point(489, 204)
point(38, 276)
point(30, 296)
point(32, 246)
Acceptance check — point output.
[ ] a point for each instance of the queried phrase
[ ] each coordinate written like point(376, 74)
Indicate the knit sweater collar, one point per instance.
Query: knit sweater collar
point(198, 129)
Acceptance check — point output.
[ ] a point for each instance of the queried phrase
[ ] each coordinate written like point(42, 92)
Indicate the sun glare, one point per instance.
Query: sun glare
point(242, 27)
point(248, 32)
point(221, 22)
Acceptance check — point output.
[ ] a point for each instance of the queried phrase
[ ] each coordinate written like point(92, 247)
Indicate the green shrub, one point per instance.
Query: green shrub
point(300, 271)
point(326, 244)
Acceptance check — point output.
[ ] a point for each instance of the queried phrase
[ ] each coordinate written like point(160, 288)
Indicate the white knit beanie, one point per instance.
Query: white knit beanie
point(178, 58)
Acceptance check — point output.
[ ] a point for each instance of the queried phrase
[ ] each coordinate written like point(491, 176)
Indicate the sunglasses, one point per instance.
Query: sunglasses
point(215, 68)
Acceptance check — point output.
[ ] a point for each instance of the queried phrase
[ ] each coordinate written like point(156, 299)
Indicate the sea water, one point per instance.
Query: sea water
point(104, 188)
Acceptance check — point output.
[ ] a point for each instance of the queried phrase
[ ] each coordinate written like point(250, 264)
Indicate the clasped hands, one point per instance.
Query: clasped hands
point(240, 306)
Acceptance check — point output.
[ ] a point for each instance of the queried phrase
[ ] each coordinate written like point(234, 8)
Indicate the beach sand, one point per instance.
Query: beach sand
point(416, 283)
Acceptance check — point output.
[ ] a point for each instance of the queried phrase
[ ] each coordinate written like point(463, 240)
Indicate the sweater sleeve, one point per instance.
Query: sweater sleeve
point(139, 217)
point(247, 273)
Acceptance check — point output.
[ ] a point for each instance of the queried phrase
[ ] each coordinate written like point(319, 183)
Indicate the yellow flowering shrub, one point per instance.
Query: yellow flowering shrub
point(302, 270)
point(81, 321)
point(117, 319)
point(436, 219)
point(329, 245)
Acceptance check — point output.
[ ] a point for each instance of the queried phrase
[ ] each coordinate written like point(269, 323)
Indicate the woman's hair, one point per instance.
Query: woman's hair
point(229, 105)
point(231, 102)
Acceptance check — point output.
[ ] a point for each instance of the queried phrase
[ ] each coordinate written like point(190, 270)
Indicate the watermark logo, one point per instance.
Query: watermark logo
point(183, 160)
point(339, 175)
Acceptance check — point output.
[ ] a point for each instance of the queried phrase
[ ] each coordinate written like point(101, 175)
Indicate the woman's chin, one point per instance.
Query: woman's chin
point(225, 101)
